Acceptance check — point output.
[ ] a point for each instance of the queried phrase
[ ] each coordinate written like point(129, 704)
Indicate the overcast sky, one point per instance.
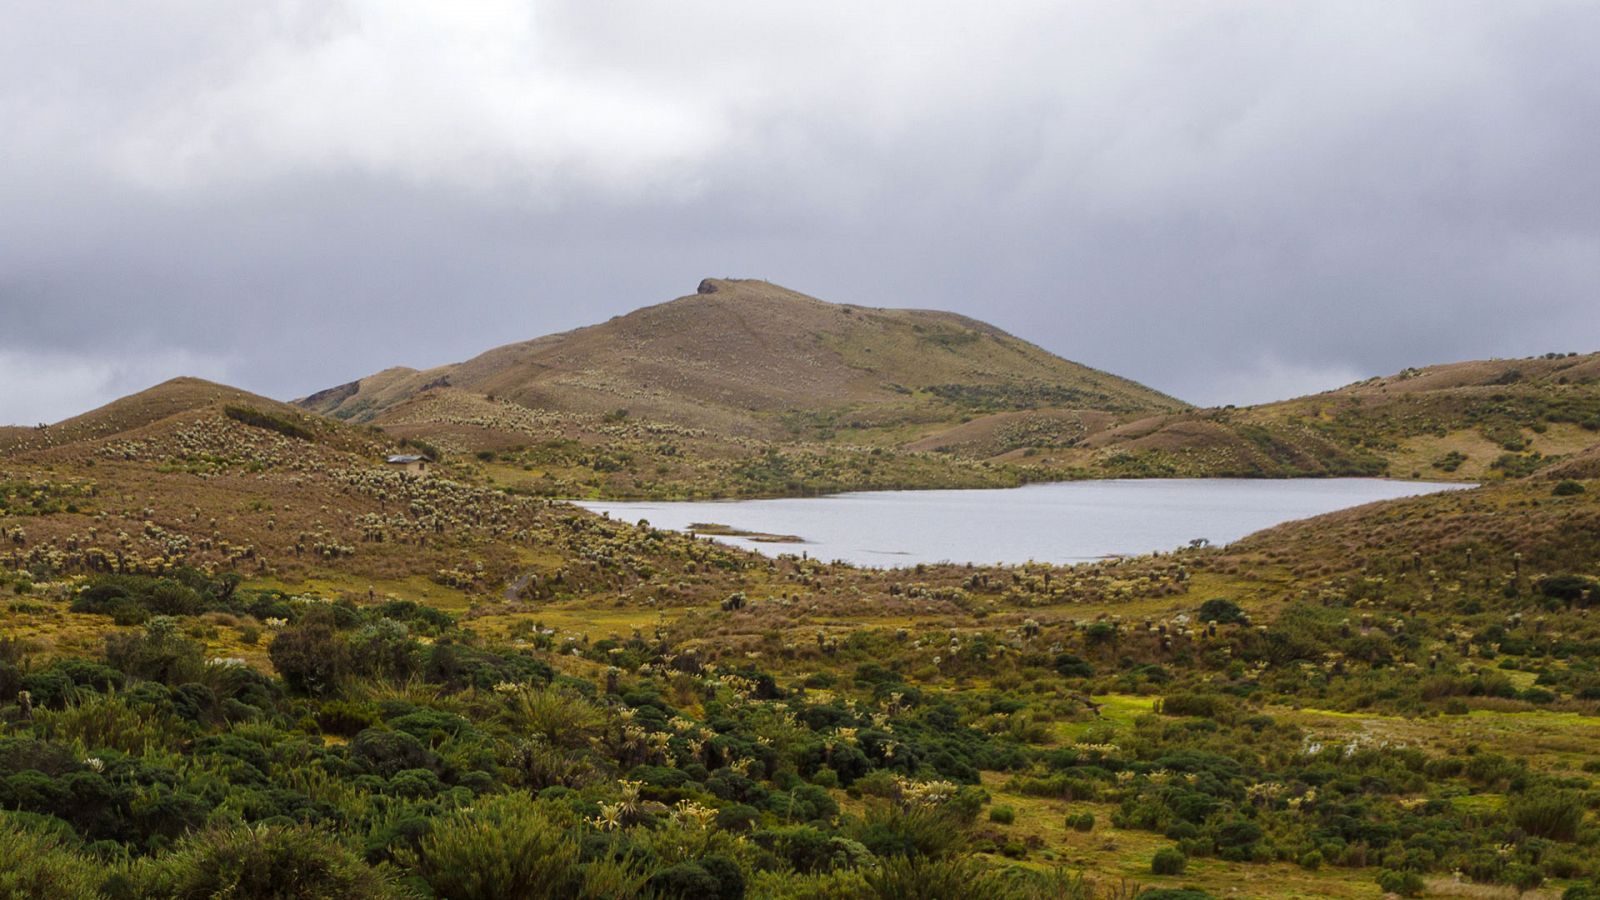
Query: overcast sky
point(1231, 202)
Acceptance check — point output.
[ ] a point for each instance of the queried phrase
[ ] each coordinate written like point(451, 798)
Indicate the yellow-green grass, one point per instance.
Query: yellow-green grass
point(329, 583)
point(1418, 454)
point(1549, 740)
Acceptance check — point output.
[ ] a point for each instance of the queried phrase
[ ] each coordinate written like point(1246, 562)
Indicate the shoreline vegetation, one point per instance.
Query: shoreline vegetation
point(760, 537)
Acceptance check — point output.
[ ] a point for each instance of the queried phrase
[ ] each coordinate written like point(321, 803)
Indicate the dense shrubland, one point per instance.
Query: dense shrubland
point(394, 753)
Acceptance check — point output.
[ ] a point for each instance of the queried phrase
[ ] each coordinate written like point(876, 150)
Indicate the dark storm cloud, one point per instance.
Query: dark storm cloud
point(1231, 202)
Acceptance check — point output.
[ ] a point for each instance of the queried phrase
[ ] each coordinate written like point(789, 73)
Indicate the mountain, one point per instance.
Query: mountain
point(751, 358)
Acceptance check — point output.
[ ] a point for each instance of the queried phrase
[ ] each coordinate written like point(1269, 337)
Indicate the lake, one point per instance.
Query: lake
point(1060, 522)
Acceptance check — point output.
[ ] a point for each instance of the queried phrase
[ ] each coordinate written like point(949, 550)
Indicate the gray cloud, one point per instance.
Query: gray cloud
point(1231, 202)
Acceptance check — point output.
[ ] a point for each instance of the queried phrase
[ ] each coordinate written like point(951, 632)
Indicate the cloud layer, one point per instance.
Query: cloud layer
point(1231, 202)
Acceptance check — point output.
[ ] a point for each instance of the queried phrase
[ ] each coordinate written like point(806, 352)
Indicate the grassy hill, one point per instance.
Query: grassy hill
point(751, 358)
point(171, 398)
point(745, 389)
point(1481, 420)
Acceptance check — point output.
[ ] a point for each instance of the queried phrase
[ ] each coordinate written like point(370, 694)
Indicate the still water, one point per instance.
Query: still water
point(1063, 522)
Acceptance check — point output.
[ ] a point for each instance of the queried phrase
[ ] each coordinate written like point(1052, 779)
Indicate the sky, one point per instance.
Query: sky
point(1232, 202)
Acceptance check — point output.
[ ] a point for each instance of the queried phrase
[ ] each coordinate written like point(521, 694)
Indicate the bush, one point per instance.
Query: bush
point(1003, 815)
point(805, 803)
point(249, 415)
point(561, 717)
point(684, 881)
point(811, 850)
point(919, 832)
point(160, 654)
point(1202, 705)
point(1569, 588)
point(508, 848)
point(1168, 861)
point(1223, 612)
point(914, 878)
point(1081, 822)
point(1566, 489)
point(40, 865)
point(387, 753)
point(1405, 884)
point(1553, 816)
point(1070, 666)
point(311, 655)
point(259, 862)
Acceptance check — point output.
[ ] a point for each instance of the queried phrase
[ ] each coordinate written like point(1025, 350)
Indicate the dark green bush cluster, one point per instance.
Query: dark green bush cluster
point(249, 415)
point(395, 750)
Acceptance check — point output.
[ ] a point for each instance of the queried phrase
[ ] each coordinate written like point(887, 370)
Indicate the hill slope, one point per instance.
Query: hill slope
point(1477, 420)
point(748, 357)
point(174, 398)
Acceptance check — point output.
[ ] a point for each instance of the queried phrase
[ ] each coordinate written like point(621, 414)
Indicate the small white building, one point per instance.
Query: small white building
point(408, 462)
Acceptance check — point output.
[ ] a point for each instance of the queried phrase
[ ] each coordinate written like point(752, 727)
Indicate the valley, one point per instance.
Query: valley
point(232, 633)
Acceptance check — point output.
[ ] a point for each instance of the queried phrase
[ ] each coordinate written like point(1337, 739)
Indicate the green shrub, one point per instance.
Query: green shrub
point(1003, 815)
point(1221, 611)
point(1566, 488)
point(1554, 816)
point(259, 863)
point(1569, 588)
point(917, 878)
point(560, 716)
point(249, 415)
point(803, 803)
point(1070, 666)
point(1203, 705)
point(1405, 884)
point(508, 848)
point(40, 865)
point(160, 654)
point(690, 880)
point(1523, 877)
point(1168, 861)
point(920, 832)
point(311, 655)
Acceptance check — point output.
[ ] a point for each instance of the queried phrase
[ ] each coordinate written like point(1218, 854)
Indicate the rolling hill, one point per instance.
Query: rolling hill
point(179, 399)
point(754, 359)
point(1478, 420)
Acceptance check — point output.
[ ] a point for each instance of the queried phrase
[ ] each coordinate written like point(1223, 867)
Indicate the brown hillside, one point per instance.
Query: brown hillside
point(1485, 375)
point(1582, 465)
point(147, 407)
point(739, 355)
